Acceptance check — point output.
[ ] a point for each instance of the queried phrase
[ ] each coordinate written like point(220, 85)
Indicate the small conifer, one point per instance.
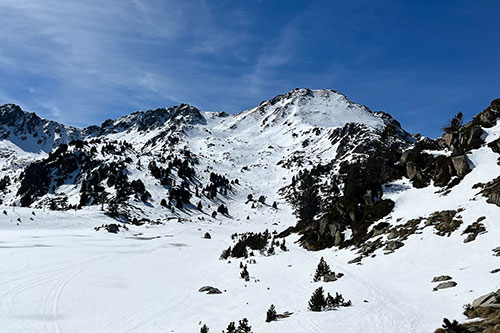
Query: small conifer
point(317, 302)
point(271, 314)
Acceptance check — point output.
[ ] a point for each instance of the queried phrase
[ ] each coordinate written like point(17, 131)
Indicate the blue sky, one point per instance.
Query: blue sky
point(81, 62)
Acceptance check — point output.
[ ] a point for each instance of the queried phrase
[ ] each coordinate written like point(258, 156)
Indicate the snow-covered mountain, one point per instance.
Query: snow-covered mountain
point(32, 133)
point(387, 209)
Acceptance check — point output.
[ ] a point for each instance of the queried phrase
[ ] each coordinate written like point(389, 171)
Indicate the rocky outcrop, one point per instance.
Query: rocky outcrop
point(473, 230)
point(209, 290)
point(441, 278)
point(445, 222)
point(445, 285)
point(491, 191)
point(485, 310)
point(489, 300)
point(488, 118)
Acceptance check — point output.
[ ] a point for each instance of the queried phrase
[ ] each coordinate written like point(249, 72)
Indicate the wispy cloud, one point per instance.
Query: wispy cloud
point(84, 57)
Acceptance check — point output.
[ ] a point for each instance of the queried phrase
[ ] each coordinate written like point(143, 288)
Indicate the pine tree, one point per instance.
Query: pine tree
point(243, 326)
point(331, 302)
point(199, 206)
point(283, 246)
point(322, 270)
point(306, 200)
point(271, 314)
point(317, 302)
point(339, 299)
point(231, 328)
point(456, 122)
point(244, 274)
point(226, 253)
point(204, 329)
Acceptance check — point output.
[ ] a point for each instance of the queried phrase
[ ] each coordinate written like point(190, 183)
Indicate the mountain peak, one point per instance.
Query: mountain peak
point(320, 108)
point(11, 114)
point(32, 133)
point(183, 114)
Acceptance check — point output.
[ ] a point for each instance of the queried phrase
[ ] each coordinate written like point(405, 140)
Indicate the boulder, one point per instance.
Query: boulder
point(207, 236)
point(337, 239)
point(329, 278)
point(393, 245)
point(448, 139)
point(411, 170)
point(489, 300)
point(461, 165)
point(494, 198)
point(393, 234)
point(355, 260)
point(441, 278)
point(445, 285)
point(209, 290)
point(474, 140)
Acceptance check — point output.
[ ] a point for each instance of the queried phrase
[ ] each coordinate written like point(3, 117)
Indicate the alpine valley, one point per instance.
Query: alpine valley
point(307, 213)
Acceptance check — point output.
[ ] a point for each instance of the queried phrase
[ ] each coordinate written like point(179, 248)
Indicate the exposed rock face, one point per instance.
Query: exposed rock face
point(183, 114)
point(448, 170)
point(489, 116)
